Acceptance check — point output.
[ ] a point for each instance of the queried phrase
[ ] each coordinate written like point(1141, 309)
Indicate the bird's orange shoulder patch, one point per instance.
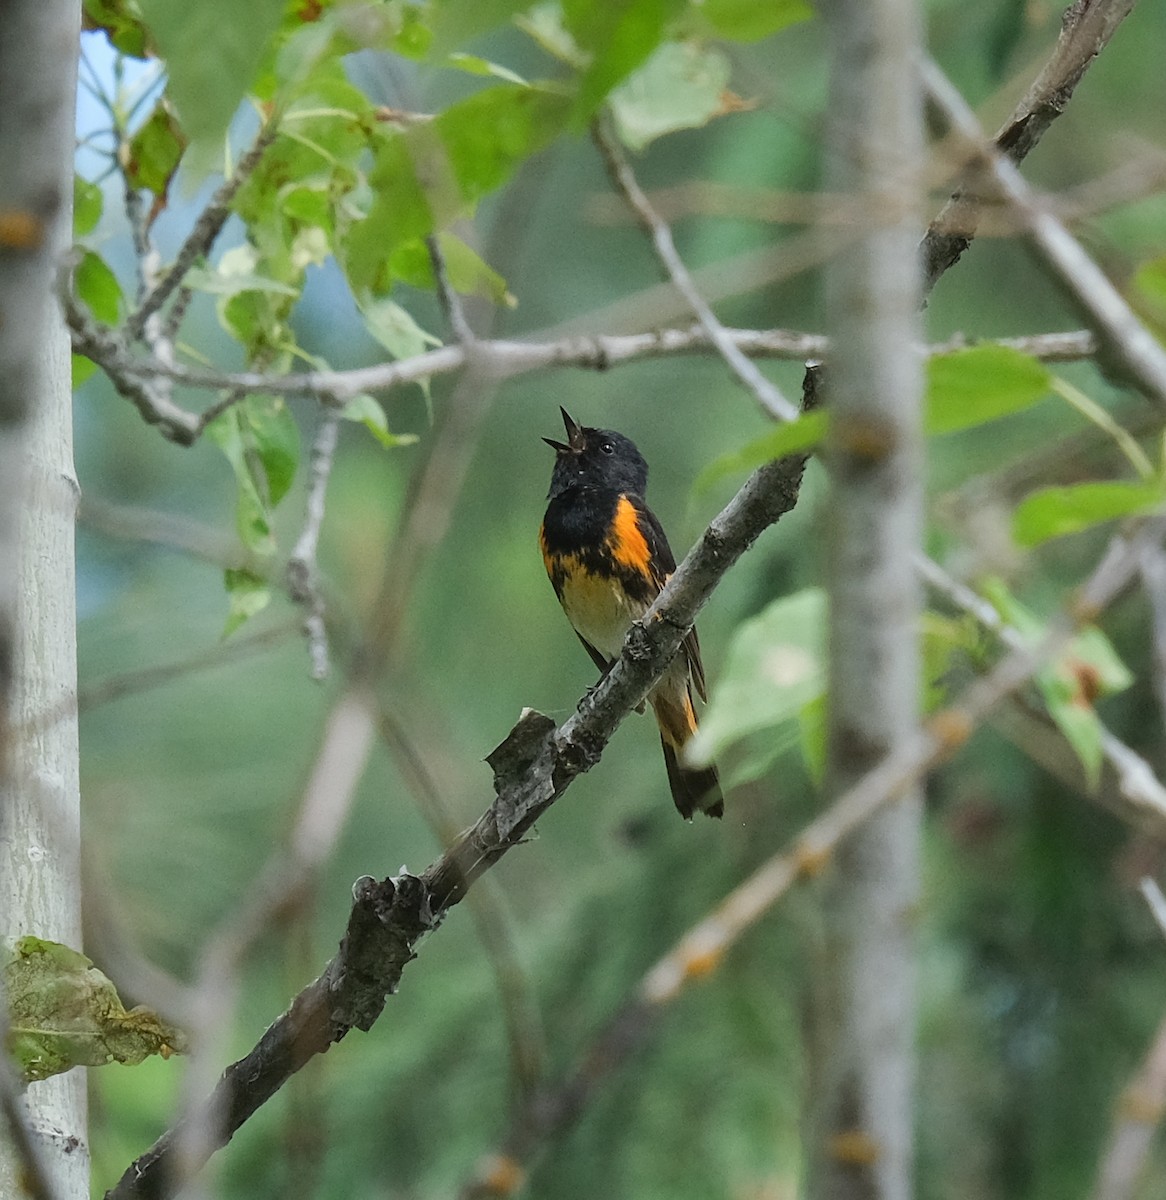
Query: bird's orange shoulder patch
point(626, 540)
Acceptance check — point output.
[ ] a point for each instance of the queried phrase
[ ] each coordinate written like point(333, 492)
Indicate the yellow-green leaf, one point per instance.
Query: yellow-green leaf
point(88, 202)
point(1056, 511)
point(97, 286)
point(64, 1013)
point(775, 666)
point(973, 386)
point(365, 410)
point(212, 50)
point(682, 86)
point(247, 594)
point(794, 436)
point(751, 20)
point(155, 151)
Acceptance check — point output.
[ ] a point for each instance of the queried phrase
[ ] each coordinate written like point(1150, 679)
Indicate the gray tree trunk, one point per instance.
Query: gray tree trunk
point(40, 882)
point(863, 1145)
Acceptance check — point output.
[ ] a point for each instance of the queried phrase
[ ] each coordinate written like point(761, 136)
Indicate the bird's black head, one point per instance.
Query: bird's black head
point(596, 458)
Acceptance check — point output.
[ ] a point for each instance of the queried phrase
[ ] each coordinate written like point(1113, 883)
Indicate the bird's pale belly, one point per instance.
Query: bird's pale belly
point(600, 610)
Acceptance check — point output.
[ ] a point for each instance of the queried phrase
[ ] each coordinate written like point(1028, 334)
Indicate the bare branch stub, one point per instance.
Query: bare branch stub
point(1086, 29)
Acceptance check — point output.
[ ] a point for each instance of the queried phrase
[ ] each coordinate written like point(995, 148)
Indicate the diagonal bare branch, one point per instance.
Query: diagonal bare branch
point(1127, 346)
point(1086, 28)
point(533, 768)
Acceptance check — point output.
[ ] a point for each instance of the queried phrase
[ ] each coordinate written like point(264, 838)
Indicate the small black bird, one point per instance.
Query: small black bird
point(608, 558)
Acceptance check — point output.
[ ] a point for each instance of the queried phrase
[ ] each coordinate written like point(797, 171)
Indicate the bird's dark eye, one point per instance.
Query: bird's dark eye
point(607, 447)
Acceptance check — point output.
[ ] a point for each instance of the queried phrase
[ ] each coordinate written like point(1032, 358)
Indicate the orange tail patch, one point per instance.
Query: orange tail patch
point(693, 788)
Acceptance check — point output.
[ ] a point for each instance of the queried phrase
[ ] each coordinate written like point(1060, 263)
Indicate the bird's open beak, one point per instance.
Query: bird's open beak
point(574, 443)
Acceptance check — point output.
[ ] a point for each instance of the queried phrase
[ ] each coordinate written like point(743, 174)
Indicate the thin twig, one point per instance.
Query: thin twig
point(200, 239)
point(451, 302)
point(1128, 346)
point(148, 393)
point(624, 179)
point(303, 571)
point(700, 951)
point(496, 359)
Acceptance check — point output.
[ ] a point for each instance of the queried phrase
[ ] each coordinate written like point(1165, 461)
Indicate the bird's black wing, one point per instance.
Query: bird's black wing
point(662, 563)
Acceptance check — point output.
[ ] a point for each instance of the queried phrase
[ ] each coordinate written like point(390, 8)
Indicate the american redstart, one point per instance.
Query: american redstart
point(608, 558)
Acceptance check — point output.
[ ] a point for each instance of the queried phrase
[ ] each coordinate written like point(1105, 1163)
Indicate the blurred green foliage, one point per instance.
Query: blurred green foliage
point(1042, 977)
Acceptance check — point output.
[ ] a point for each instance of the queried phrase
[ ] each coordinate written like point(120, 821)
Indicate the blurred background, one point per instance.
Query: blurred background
point(1043, 977)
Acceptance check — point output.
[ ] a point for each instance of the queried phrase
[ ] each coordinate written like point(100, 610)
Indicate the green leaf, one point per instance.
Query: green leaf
point(473, 65)
point(97, 287)
point(1089, 648)
point(82, 369)
point(216, 284)
point(366, 411)
point(235, 273)
point(1088, 669)
point(1148, 288)
point(247, 594)
point(943, 639)
point(1076, 719)
point(212, 50)
point(466, 271)
point(619, 35)
point(88, 202)
point(680, 87)
point(64, 1013)
point(456, 22)
point(1094, 651)
point(1056, 511)
point(120, 22)
point(491, 133)
point(413, 37)
point(252, 515)
point(544, 25)
point(155, 151)
point(775, 666)
point(276, 438)
point(396, 329)
point(751, 20)
point(463, 154)
point(791, 438)
point(253, 307)
point(973, 386)
point(965, 388)
point(812, 728)
point(1018, 615)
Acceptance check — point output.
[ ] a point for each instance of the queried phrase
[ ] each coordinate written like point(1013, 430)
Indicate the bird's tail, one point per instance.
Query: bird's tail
point(693, 788)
